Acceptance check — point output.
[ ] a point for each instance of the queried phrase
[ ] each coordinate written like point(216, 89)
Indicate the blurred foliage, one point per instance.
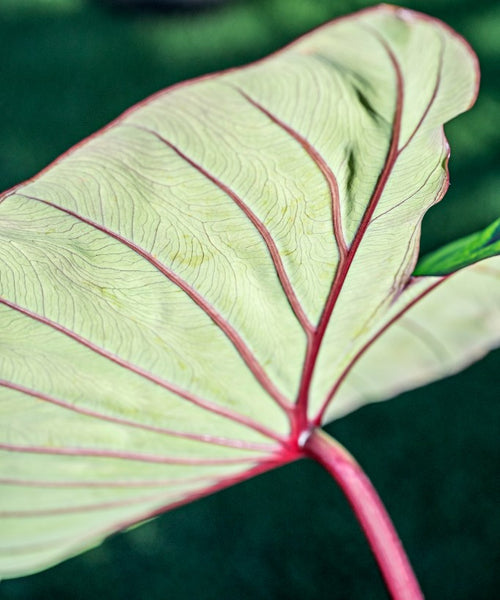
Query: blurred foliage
point(70, 66)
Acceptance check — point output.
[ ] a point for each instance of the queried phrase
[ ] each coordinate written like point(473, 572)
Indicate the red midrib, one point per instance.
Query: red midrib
point(394, 153)
point(302, 421)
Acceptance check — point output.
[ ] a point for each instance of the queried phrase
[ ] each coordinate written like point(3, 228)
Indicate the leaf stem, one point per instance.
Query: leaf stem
point(370, 512)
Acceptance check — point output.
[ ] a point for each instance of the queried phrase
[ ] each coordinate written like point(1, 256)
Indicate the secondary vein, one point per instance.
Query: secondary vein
point(229, 331)
point(171, 387)
point(207, 439)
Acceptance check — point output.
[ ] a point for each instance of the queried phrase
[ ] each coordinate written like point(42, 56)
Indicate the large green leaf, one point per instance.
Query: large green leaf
point(184, 292)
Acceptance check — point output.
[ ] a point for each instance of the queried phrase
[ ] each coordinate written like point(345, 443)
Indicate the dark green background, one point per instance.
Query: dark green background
point(70, 66)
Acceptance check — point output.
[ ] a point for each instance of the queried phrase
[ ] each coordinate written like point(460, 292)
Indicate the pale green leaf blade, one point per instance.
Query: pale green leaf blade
point(167, 285)
point(437, 327)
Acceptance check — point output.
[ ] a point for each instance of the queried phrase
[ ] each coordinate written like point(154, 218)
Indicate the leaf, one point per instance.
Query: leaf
point(181, 291)
point(463, 252)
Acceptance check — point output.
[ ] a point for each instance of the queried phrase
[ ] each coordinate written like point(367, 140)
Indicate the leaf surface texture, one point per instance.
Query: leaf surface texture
point(184, 293)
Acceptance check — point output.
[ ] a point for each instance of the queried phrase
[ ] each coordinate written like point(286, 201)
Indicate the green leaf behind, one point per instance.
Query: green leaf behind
point(461, 253)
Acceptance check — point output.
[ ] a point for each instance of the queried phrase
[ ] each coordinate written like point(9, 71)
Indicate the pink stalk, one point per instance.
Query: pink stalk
point(370, 512)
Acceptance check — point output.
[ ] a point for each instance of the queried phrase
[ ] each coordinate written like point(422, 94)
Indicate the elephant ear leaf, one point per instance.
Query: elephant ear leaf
point(183, 294)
